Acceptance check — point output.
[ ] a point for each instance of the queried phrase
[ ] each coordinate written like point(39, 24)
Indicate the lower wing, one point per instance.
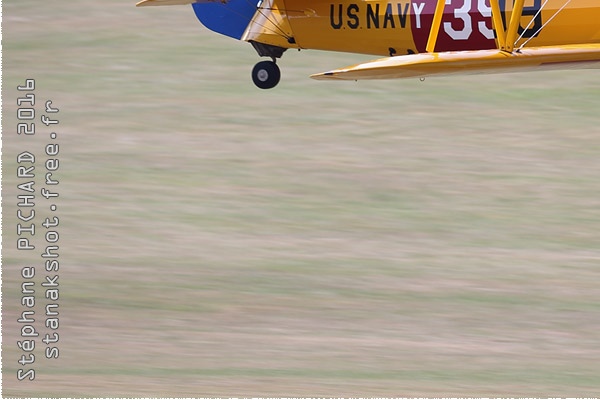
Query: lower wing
point(470, 62)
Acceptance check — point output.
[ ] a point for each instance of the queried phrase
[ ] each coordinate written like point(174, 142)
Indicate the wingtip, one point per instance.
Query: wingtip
point(324, 75)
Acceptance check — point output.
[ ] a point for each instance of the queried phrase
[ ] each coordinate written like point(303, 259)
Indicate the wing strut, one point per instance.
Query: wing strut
point(498, 25)
point(513, 26)
point(506, 38)
point(435, 26)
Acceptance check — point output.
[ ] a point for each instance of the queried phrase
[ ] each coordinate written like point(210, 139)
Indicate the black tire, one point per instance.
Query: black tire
point(266, 74)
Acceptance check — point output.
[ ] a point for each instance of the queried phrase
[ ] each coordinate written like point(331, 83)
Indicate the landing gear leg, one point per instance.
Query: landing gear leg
point(266, 74)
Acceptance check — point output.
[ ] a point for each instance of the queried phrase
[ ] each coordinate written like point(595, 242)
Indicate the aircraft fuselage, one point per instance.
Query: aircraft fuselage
point(403, 26)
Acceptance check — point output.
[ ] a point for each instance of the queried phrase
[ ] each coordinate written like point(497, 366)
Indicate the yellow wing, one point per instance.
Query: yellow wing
point(145, 3)
point(471, 62)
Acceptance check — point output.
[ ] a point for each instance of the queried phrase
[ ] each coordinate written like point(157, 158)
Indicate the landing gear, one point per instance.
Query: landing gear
point(266, 74)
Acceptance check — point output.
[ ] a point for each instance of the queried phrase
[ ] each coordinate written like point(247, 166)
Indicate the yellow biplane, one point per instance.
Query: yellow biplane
point(419, 38)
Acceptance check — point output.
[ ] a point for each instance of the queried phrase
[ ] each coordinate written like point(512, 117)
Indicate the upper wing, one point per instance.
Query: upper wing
point(144, 3)
point(470, 62)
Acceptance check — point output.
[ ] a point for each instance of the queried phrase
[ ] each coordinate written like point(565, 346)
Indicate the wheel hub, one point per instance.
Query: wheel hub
point(262, 75)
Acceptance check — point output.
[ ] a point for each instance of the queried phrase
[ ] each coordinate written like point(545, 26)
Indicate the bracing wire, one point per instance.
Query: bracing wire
point(545, 24)
point(531, 22)
point(273, 22)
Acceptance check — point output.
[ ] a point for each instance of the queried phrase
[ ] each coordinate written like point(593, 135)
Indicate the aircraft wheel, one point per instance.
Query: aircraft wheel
point(266, 74)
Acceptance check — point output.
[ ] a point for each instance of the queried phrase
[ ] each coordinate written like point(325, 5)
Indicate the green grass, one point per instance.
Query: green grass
point(395, 238)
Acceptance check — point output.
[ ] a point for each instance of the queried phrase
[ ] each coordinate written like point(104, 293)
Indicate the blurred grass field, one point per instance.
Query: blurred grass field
point(394, 238)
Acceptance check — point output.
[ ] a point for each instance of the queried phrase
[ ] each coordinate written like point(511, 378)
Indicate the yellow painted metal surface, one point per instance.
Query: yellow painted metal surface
point(368, 27)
